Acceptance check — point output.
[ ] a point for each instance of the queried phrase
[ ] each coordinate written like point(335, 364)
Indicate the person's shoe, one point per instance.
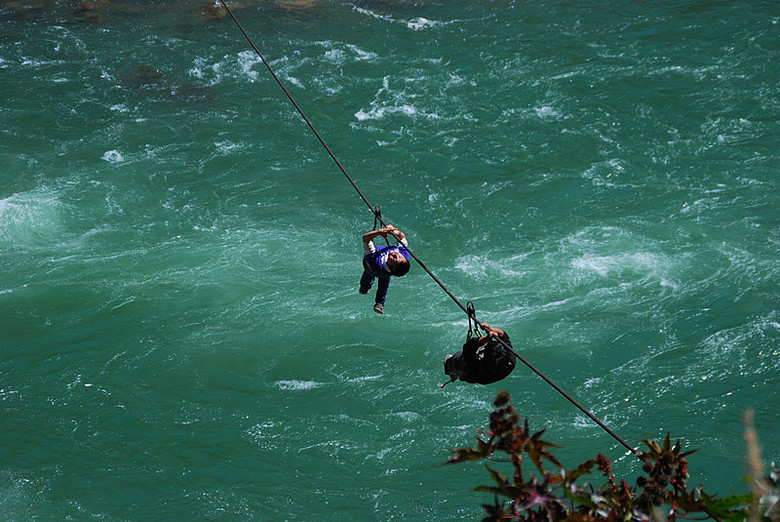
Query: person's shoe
point(362, 291)
point(379, 308)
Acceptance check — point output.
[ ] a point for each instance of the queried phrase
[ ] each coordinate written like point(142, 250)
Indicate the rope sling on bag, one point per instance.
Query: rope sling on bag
point(470, 312)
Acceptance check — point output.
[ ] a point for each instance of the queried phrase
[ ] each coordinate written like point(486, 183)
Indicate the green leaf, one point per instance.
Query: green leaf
point(583, 469)
point(498, 477)
point(581, 498)
point(724, 505)
point(466, 455)
point(537, 450)
point(689, 503)
point(655, 449)
point(686, 453)
point(490, 489)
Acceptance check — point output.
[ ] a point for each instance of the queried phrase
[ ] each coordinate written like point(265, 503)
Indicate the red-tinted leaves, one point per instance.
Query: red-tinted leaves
point(546, 496)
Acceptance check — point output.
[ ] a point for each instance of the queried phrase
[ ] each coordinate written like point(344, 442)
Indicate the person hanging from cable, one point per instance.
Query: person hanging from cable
point(484, 359)
point(382, 262)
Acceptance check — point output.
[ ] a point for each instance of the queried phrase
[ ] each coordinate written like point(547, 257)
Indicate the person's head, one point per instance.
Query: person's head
point(397, 263)
point(453, 367)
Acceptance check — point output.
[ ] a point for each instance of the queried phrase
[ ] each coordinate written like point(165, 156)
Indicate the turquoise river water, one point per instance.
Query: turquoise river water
point(181, 336)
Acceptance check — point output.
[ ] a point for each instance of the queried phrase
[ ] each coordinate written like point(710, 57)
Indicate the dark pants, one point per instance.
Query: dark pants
point(367, 281)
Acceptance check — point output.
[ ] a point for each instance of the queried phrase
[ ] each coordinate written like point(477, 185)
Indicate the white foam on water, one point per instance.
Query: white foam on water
point(376, 113)
point(482, 266)
point(415, 24)
point(546, 112)
point(30, 62)
point(298, 385)
point(555, 304)
point(395, 105)
point(374, 15)
point(419, 24)
point(294, 81)
point(113, 156)
point(247, 60)
point(263, 434)
point(603, 265)
point(605, 173)
point(29, 218)
point(364, 378)
point(360, 54)
point(342, 53)
point(408, 416)
point(335, 55)
point(226, 147)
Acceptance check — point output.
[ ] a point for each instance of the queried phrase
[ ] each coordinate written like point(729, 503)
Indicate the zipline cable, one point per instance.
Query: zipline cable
point(378, 217)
